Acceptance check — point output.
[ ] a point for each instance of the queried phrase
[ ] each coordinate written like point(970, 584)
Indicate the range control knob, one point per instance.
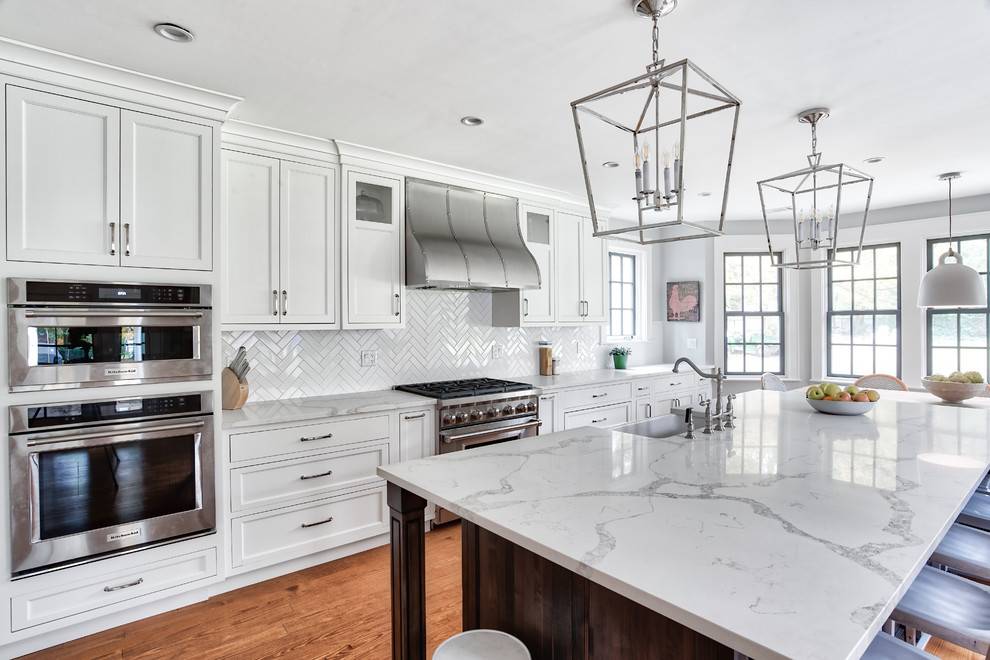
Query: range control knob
point(520, 408)
point(507, 410)
point(530, 406)
point(475, 415)
point(447, 420)
point(460, 418)
point(491, 413)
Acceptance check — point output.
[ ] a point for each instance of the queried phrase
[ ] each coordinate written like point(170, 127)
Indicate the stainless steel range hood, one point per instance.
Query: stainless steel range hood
point(457, 238)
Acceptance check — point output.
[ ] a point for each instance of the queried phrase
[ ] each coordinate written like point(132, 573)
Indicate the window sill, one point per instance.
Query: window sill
point(756, 379)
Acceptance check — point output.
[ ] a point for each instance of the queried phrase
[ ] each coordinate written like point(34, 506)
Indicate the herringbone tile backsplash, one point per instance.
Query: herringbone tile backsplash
point(448, 335)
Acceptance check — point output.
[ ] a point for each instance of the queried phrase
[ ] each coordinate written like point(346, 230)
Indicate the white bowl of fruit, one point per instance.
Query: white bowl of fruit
point(957, 386)
point(834, 399)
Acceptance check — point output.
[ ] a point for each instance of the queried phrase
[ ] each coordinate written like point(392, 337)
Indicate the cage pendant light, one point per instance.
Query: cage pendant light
point(814, 195)
point(645, 124)
point(951, 284)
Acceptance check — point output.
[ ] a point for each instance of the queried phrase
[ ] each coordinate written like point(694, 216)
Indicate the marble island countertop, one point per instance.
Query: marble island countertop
point(791, 536)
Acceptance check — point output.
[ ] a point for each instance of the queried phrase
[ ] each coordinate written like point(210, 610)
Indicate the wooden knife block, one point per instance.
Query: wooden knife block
point(233, 392)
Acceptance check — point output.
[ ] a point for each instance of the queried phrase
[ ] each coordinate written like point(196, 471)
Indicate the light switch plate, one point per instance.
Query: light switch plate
point(369, 358)
point(692, 342)
point(498, 351)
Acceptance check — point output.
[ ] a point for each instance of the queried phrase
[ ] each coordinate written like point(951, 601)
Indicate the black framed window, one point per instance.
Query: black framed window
point(622, 295)
point(754, 314)
point(957, 338)
point(863, 323)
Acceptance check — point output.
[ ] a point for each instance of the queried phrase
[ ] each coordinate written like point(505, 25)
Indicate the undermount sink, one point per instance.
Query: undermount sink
point(664, 426)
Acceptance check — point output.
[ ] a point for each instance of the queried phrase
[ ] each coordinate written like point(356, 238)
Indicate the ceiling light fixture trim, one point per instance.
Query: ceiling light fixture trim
point(174, 32)
point(471, 120)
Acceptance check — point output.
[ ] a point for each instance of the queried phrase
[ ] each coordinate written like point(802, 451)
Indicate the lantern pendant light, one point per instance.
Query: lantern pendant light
point(951, 284)
point(639, 128)
point(814, 195)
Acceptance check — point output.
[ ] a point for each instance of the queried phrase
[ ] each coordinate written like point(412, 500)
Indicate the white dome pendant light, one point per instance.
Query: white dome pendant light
point(951, 284)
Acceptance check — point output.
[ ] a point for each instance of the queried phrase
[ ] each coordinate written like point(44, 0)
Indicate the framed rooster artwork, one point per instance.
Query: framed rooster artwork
point(684, 301)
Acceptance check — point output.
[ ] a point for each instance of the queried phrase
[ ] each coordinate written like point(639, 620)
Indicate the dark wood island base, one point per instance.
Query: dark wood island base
point(557, 613)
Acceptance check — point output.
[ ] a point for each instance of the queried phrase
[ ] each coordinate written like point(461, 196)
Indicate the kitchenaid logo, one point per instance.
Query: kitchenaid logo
point(121, 371)
point(123, 535)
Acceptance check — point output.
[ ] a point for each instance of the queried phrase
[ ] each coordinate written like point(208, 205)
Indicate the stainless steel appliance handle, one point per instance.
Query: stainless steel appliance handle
point(127, 239)
point(304, 477)
point(319, 522)
point(100, 313)
point(113, 239)
point(123, 586)
point(274, 302)
point(66, 437)
point(505, 429)
point(285, 302)
point(316, 437)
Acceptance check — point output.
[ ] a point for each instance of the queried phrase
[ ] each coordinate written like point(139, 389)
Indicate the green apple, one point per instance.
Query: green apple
point(832, 390)
point(872, 395)
point(815, 393)
point(852, 390)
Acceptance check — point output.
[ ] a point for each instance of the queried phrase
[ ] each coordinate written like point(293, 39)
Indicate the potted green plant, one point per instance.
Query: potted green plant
point(620, 354)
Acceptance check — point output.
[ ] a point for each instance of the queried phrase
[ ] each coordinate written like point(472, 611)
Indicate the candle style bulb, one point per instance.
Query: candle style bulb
point(647, 181)
point(666, 175)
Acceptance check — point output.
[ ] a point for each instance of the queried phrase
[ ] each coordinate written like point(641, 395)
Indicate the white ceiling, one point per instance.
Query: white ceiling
point(906, 79)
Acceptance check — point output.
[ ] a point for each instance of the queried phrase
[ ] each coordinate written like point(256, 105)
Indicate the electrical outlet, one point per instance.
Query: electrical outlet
point(498, 351)
point(369, 358)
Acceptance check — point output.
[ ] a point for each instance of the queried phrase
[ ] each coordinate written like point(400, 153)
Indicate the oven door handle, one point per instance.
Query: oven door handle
point(499, 431)
point(122, 312)
point(55, 439)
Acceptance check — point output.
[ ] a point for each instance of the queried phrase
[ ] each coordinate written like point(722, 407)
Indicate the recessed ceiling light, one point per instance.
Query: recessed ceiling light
point(174, 32)
point(610, 164)
point(873, 160)
point(469, 120)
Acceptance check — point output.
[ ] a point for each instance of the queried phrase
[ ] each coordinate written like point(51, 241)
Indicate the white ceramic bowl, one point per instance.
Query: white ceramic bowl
point(953, 392)
point(841, 407)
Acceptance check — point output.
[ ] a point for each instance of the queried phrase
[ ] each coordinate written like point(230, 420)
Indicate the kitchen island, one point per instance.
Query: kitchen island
point(792, 535)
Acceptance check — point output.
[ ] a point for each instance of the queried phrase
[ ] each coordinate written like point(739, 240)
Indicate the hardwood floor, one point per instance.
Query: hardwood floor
point(336, 610)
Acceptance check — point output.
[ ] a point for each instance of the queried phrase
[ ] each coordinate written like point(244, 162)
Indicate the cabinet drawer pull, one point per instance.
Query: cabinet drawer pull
point(274, 302)
point(525, 306)
point(320, 522)
point(398, 304)
point(649, 410)
point(599, 421)
point(316, 437)
point(127, 239)
point(419, 416)
point(124, 586)
point(113, 239)
point(547, 397)
point(328, 473)
point(599, 396)
point(285, 302)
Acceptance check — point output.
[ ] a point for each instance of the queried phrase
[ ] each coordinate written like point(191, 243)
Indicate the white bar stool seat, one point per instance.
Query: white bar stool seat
point(965, 550)
point(976, 512)
point(885, 647)
point(947, 606)
point(482, 645)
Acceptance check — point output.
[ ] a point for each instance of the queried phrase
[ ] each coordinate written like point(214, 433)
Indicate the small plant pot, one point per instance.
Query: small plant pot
point(620, 361)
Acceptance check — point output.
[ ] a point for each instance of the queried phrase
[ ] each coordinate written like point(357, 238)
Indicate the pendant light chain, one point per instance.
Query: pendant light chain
point(952, 251)
point(656, 37)
point(814, 137)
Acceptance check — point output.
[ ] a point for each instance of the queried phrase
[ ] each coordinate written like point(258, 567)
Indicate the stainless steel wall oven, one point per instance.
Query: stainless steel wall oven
point(84, 334)
point(97, 477)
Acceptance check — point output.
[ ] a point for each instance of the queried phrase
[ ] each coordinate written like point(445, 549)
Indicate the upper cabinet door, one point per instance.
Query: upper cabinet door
point(166, 193)
point(250, 209)
point(374, 257)
point(63, 173)
point(570, 304)
point(308, 239)
point(593, 260)
point(538, 230)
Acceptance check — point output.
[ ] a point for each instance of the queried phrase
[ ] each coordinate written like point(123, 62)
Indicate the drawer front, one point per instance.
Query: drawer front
point(594, 396)
point(295, 439)
point(278, 484)
point(270, 538)
point(603, 416)
point(641, 389)
point(674, 382)
point(29, 610)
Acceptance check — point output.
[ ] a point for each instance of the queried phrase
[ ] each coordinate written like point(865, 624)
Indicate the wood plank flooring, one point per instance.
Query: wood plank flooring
point(336, 610)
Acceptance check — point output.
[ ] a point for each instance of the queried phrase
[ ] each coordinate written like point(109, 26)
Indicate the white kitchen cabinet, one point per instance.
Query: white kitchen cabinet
point(580, 272)
point(548, 410)
point(602, 416)
point(417, 435)
point(373, 249)
point(166, 192)
point(89, 183)
point(63, 179)
point(280, 234)
point(532, 307)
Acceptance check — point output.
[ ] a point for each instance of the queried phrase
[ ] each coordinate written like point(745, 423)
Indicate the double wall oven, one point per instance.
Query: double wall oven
point(98, 477)
point(85, 334)
point(479, 412)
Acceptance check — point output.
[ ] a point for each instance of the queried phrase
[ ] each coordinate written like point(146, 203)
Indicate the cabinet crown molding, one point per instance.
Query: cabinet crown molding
point(242, 134)
point(73, 72)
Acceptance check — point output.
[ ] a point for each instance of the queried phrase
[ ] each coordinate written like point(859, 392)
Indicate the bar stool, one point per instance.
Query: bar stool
point(886, 647)
point(984, 486)
point(966, 551)
point(482, 645)
point(947, 606)
point(977, 512)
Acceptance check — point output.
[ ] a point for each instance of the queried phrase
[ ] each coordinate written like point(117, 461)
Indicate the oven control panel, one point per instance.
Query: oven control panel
point(480, 412)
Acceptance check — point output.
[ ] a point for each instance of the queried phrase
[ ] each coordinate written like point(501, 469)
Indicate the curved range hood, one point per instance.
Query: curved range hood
point(457, 238)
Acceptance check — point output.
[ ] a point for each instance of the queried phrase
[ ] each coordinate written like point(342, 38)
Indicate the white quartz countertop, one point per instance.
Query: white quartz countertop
point(314, 408)
point(599, 376)
point(791, 536)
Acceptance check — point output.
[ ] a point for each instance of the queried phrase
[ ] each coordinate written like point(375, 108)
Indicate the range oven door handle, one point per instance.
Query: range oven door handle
point(450, 438)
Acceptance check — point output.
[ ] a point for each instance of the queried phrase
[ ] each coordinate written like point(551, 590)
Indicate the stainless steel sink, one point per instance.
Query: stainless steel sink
point(663, 426)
